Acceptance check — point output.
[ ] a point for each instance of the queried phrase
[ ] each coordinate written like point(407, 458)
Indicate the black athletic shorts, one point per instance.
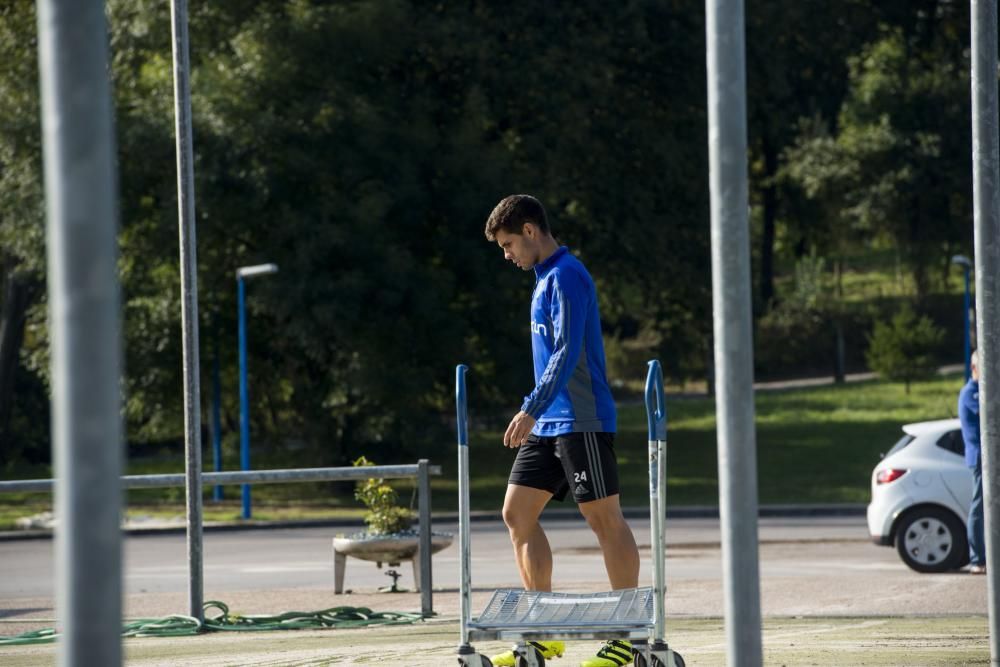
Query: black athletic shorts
point(583, 463)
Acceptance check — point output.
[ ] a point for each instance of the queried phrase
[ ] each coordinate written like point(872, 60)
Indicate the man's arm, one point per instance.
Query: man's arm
point(968, 403)
point(569, 315)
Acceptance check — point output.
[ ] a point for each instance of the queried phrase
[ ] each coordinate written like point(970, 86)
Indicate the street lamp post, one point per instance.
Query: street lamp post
point(241, 274)
point(966, 265)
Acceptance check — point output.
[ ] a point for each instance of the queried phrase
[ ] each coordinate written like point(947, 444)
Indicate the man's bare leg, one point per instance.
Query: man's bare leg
point(621, 555)
point(521, 508)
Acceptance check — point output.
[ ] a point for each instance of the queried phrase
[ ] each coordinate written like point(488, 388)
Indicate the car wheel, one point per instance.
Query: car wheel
point(931, 539)
point(964, 559)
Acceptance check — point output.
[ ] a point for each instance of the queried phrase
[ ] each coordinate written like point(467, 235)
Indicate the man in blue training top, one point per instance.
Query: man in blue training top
point(565, 429)
point(968, 415)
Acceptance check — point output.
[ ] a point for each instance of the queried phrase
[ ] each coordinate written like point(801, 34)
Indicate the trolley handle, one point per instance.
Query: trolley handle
point(461, 406)
point(656, 409)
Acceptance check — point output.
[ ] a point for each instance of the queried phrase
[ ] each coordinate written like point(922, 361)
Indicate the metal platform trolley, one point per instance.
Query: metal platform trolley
point(635, 614)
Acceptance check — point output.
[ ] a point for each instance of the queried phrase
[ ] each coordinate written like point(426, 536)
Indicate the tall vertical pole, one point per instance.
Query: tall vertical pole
point(244, 390)
point(242, 274)
point(464, 545)
point(656, 416)
point(731, 282)
point(85, 328)
point(189, 302)
point(426, 532)
point(986, 213)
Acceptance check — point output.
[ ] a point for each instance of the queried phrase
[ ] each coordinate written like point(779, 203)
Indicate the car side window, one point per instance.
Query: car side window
point(900, 444)
point(952, 441)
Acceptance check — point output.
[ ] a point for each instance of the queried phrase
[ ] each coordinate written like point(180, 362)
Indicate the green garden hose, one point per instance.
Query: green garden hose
point(178, 625)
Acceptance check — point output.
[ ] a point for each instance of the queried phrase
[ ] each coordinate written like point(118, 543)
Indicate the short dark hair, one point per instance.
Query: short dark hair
point(511, 214)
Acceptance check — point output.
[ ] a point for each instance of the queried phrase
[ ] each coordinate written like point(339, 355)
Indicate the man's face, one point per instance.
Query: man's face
point(519, 248)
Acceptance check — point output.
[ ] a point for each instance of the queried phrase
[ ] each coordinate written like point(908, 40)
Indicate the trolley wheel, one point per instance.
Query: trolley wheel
point(485, 662)
point(678, 661)
point(639, 660)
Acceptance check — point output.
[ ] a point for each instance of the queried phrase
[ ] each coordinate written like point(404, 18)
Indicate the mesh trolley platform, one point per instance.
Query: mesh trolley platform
point(635, 614)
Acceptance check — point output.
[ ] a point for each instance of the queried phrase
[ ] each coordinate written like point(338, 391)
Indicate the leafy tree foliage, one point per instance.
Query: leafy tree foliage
point(903, 348)
point(22, 252)
point(360, 145)
point(796, 68)
point(896, 169)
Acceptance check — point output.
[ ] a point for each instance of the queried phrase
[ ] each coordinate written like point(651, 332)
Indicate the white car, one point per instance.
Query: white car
point(921, 491)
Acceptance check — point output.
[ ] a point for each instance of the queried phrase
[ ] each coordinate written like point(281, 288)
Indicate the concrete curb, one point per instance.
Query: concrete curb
point(556, 513)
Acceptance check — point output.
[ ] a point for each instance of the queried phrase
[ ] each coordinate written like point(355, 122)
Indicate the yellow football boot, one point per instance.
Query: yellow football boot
point(547, 649)
point(614, 653)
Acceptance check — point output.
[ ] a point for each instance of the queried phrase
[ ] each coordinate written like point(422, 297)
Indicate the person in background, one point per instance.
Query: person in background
point(968, 415)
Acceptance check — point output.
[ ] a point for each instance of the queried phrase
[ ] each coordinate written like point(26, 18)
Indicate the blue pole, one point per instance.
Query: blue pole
point(216, 420)
point(965, 319)
point(464, 545)
point(244, 395)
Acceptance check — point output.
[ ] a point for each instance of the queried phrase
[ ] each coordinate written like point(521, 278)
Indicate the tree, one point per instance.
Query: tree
point(22, 254)
point(903, 349)
point(894, 171)
point(796, 68)
point(582, 100)
point(361, 145)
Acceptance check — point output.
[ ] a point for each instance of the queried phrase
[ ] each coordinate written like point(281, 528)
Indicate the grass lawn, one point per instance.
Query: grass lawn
point(814, 445)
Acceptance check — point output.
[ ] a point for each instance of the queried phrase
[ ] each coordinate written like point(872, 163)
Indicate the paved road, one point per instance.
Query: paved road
point(282, 558)
point(809, 565)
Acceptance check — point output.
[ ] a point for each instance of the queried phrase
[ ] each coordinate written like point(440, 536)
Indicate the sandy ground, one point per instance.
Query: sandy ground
point(841, 641)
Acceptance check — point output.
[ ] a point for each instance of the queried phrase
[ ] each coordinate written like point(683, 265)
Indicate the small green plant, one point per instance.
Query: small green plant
point(902, 350)
point(384, 515)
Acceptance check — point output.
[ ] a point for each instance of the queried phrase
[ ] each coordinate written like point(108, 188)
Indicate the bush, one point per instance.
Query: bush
point(384, 515)
point(902, 350)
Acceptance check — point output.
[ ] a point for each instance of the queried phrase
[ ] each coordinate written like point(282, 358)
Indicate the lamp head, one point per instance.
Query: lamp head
point(256, 270)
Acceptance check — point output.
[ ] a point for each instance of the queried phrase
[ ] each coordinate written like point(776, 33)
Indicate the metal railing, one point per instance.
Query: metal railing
point(421, 471)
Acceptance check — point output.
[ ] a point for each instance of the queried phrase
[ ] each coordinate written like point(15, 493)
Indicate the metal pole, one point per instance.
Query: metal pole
point(85, 329)
point(189, 302)
point(464, 546)
point(656, 415)
point(724, 27)
point(244, 391)
point(236, 477)
point(986, 212)
point(216, 416)
point(424, 498)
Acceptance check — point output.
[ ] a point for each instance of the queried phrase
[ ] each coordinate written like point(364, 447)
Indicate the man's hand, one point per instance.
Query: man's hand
point(518, 430)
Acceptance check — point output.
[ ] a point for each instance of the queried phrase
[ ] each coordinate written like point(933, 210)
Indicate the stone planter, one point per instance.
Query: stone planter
point(393, 549)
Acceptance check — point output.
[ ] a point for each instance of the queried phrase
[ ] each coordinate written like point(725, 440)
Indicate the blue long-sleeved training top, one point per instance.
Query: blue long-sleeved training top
point(968, 415)
point(571, 391)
